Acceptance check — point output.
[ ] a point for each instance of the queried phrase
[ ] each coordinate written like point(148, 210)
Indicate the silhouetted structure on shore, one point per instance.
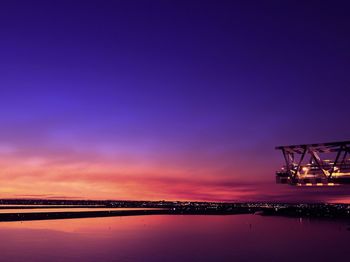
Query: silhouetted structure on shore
point(167, 208)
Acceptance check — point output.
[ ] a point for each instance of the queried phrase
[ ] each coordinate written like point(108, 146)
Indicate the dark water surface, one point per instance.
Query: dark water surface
point(176, 238)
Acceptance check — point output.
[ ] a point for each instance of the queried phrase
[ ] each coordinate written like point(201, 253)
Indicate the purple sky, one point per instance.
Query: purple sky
point(168, 99)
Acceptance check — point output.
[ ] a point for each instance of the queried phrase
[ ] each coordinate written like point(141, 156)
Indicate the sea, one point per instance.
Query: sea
point(176, 238)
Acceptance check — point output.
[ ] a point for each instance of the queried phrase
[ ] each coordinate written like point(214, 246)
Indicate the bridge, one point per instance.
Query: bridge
point(325, 164)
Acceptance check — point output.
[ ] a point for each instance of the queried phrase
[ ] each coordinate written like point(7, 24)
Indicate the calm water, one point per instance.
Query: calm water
point(175, 238)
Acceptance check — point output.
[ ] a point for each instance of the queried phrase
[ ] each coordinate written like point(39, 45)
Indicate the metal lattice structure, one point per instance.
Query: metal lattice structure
point(306, 165)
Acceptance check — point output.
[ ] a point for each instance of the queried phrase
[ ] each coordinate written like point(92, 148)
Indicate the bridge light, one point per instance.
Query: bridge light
point(317, 171)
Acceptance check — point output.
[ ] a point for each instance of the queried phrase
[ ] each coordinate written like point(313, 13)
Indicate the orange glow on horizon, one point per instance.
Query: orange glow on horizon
point(40, 178)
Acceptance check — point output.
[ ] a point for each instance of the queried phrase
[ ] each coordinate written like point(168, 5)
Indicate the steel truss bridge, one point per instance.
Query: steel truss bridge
point(326, 164)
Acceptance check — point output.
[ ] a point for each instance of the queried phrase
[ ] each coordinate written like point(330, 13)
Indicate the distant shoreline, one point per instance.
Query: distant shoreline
point(174, 208)
point(70, 215)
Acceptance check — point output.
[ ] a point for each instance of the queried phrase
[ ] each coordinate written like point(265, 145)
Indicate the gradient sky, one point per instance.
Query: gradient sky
point(168, 99)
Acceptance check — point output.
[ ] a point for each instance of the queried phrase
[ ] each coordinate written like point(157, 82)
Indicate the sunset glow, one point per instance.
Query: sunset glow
point(166, 100)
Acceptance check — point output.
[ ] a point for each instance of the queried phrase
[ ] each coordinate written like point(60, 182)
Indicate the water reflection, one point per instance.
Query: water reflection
point(174, 238)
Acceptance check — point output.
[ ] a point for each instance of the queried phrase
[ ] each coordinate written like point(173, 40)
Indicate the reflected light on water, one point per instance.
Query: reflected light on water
point(172, 238)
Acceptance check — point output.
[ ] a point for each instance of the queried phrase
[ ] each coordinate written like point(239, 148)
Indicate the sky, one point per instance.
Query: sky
point(173, 100)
